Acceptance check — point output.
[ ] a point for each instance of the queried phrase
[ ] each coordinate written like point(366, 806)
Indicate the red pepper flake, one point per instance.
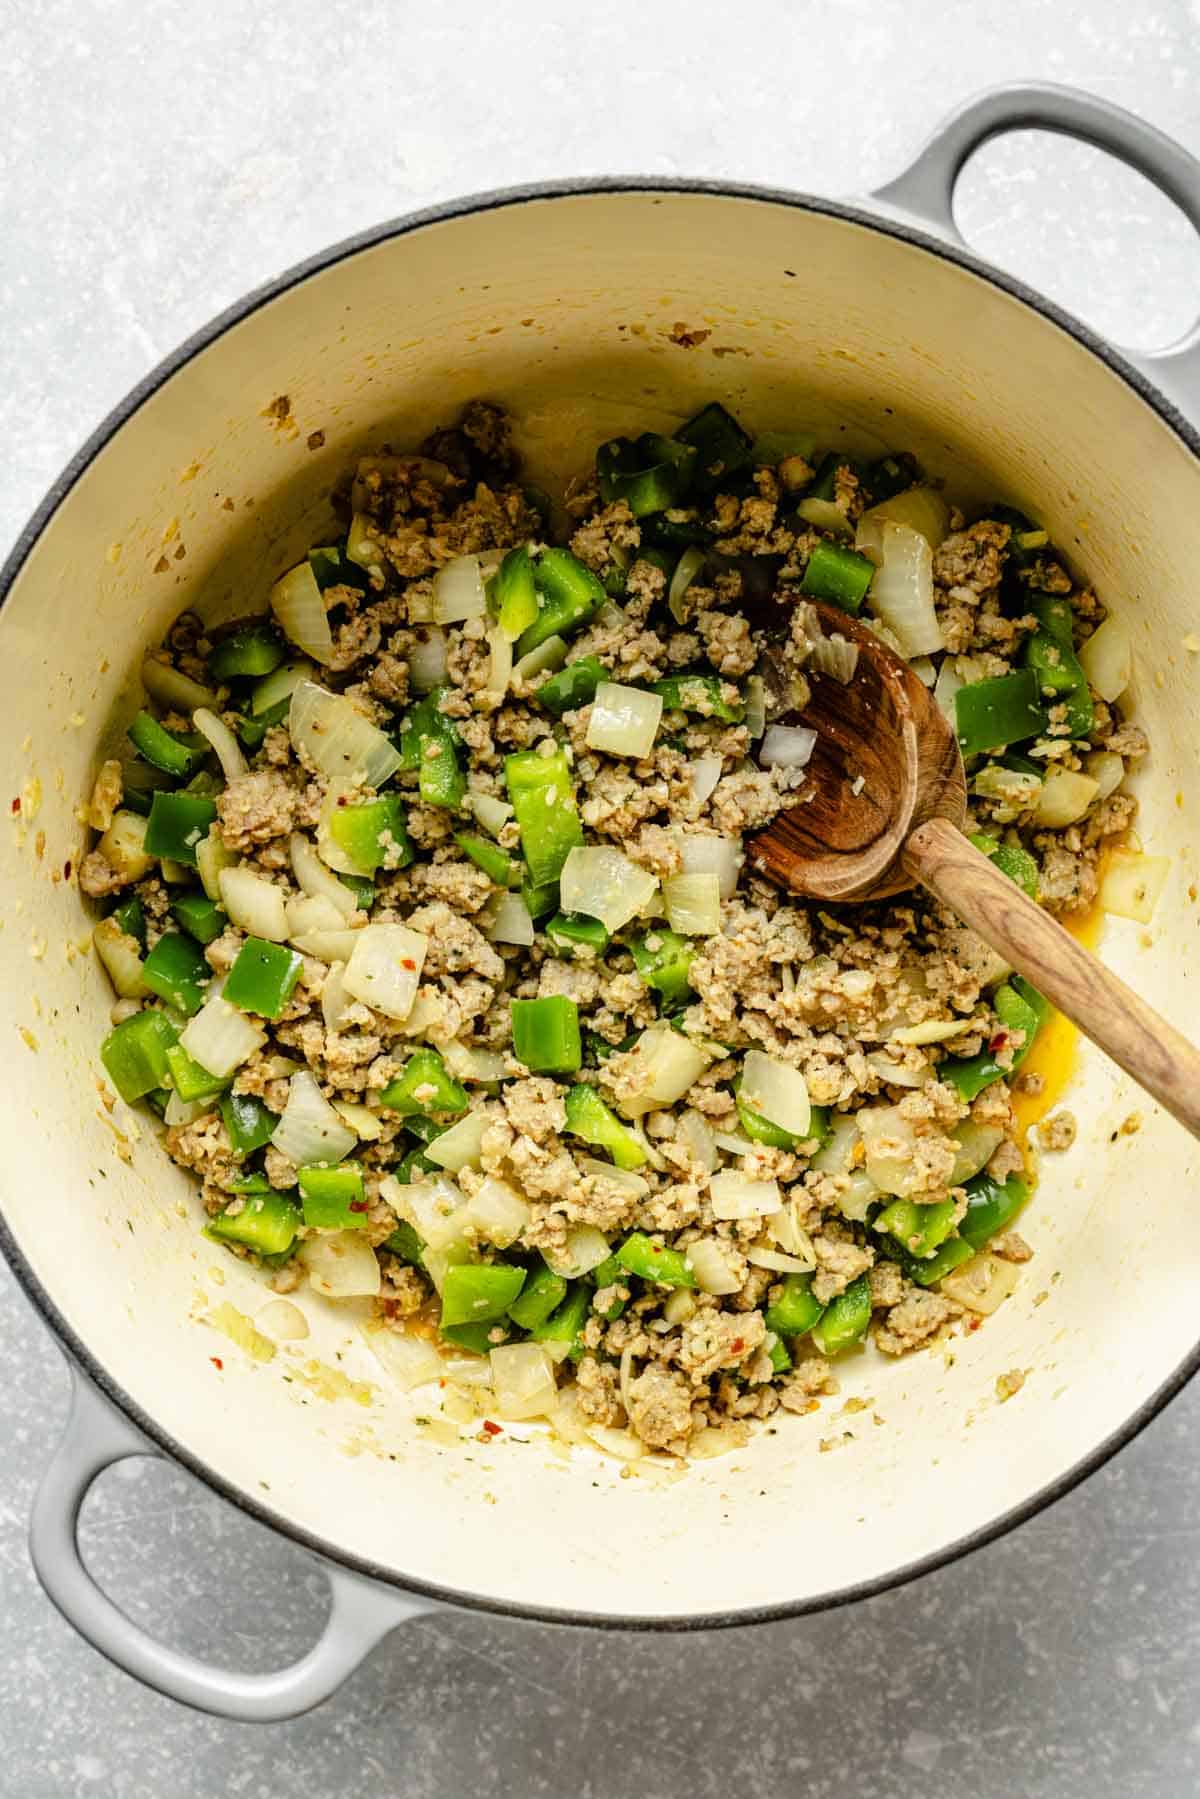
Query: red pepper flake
point(217, 1363)
point(407, 962)
point(67, 869)
point(15, 807)
point(737, 1346)
point(998, 1042)
point(493, 1430)
point(358, 1205)
point(976, 1323)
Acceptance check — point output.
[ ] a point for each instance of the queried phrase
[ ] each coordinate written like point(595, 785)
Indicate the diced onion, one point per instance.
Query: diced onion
point(1107, 659)
point(184, 1111)
point(341, 1265)
point(977, 1143)
point(461, 1145)
point(922, 509)
point(701, 853)
point(703, 777)
point(366, 1125)
point(434, 1205)
point(624, 720)
point(946, 687)
point(667, 1064)
point(411, 1361)
point(925, 671)
point(176, 691)
point(779, 1262)
point(898, 1074)
point(1016, 788)
point(857, 1197)
point(330, 733)
point(427, 659)
point(220, 1037)
point(784, 1228)
point(509, 920)
point(835, 656)
point(310, 1130)
point(299, 605)
point(585, 1249)
point(543, 660)
point(281, 684)
point(385, 968)
point(982, 1283)
point(467, 1063)
point(686, 570)
point(620, 1180)
point(362, 548)
point(678, 1307)
point(523, 1379)
point(282, 1321)
point(123, 846)
point(229, 752)
point(1132, 883)
point(500, 667)
point(756, 707)
point(605, 884)
point(212, 856)
point(713, 1266)
point(458, 591)
point(314, 878)
point(326, 946)
point(902, 590)
point(825, 516)
point(312, 912)
point(1106, 769)
point(255, 904)
point(736, 1196)
point(695, 1133)
point(734, 1144)
point(890, 1142)
point(1064, 798)
point(693, 904)
point(933, 1030)
point(776, 1090)
point(492, 814)
point(122, 962)
point(787, 746)
point(499, 1211)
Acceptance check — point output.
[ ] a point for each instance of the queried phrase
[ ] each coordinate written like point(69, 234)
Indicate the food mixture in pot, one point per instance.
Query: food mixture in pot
point(439, 951)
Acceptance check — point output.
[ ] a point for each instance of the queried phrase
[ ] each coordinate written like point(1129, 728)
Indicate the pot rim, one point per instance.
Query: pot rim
point(488, 201)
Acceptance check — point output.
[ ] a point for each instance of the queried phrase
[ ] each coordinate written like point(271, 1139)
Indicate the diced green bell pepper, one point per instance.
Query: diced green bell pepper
point(543, 1292)
point(428, 744)
point(479, 1292)
point(251, 651)
point(650, 475)
point(662, 959)
point(177, 823)
point(496, 863)
point(543, 800)
point(1050, 653)
point(795, 1311)
point(837, 575)
point(540, 897)
point(545, 1034)
point(722, 447)
point(1000, 710)
point(200, 917)
point(480, 1339)
point(176, 971)
point(134, 1053)
point(573, 686)
point(567, 1321)
point(372, 833)
point(589, 1117)
point(761, 1130)
point(1019, 1007)
point(781, 1361)
point(514, 594)
point(424, 1087)
point(991, 1207)
point(364, 891)
point(140, 783)
point(945, 1259)
point(574, 934)
point(918, 1229)
point(890, 475)
point(609, 1273)
point(568, 595)
point(163, 749)
point(264, 1222)
point(665, 1267)
point(697, 693)
point(130, 918)
point(1011, 860)
point(405, 1243)
point(412, 1166)
point(263, 977)
point(845, 1319)
point(249, 1124)
point(333, 1198)
point(252, 728)
point(189, 1079)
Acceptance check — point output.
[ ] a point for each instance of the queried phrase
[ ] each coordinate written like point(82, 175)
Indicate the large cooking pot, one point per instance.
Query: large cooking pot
point(561, 301)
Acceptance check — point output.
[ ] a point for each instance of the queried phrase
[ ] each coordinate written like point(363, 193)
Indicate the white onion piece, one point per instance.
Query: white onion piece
point(1132, 884)
point(172, 689)
point(185, 1111)
point(945, 689)
point(523, 1380)
point(667, 1064)
point(211, 857)
point(326, 946)
point(787, 746)
point(299, 605)
point(784, 1228)
point(779, 1261)
point(282, 1321)
point(1106, 769)
point(229, 751)
point(686, 570)
point(857, 1197)
point(693, 904)
point(385, 968)
point(933, 1030)
point(467, 1063)
point(280, 684)
point(902, 591)
point(922, 509)
point(756, 706)
point(835, 656)
point(366, 1125)
point(776, 1090)
point(312, 912)
point(701, 853)
point(825, 516)
point(461, 1145)
point(1064, 798)
point(123, 846)
point(605, 884)
point(313, 877)
point(624, 720)
point(499, 1212)
point(890, 1143)
point(585, 1248)
point(220, 1037)
point(703, 777)
point(500, 667)
point(122, 962)
point(361, 547)
point(544, 660)
point(678, 1307)
point(1107, 659)
point(330, 733)
point(341, 1265)
point(435, 1206)
point(695, 1133)
point(509, 920)
point(713, 1266)
point(836, 1154)
point(427, 660)
point(310, 1130)
point(734, 1144)
point(924, 669)
point(491, 813)
point(255, 904)
point(411, 1361)
point(898, 1074)
point(620, 1180)
point(458, 591)
point(735, 1196)
point(977, 1143)
point(982, 1283)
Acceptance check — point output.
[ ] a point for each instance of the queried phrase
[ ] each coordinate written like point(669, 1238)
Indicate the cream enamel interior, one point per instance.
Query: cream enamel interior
point(563, 308)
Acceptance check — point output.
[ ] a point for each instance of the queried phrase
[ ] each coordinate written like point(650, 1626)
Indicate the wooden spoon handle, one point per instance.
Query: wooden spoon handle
point(1105, 1009)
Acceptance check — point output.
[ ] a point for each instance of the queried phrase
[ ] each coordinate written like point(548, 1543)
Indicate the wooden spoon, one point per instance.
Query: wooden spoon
point(883, 810)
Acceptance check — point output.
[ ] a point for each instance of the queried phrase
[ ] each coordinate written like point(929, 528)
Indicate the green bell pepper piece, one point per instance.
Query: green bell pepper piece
point(837, 575)
point(514, 593)
point(129, 917)
point(249, 1124)
point(134, 1054)
point(665, 1267)
point(540, 897)
point(1050, 653)
point(568, 595)
point(540, 790)
point(1019, 1007)
point(573, 686)
point(721, 445)
point(251, 729)
point(176, 971)
point(265, 1222)
point(405, 1243)
point(589, 1117)
point(991, 1207)
point(545, 1034)
point(429, 744)
point(425, 1086)
point(795, 1311)
point(650, 475)
point(565, 1323)
point(891, 475)
point(412, 1166)
point(918, 1229)
point(163, 749)
point(189, 1080)
point(543, 1292)
point(609, 1273)
point(333, 1198)
point(251, 651)
point(364, 891)
point(200, 917)
point(479, 1292)
point(697, 693)
point(576, 936)
point(496, 863)
point(263, 978)
point(662, 958)
point(781, 1361)
point(944, 1260)
point(1000, 710)
point(373, 833)
point(761, 1130)
point(845, 1319)
point(177, 823)
point(1011, 860)
point(140, 783)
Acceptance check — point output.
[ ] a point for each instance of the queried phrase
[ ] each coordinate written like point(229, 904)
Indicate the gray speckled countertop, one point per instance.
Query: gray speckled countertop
point(157, 161)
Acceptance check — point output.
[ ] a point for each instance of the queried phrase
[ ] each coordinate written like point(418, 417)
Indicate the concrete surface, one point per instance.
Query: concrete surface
point(157, 161)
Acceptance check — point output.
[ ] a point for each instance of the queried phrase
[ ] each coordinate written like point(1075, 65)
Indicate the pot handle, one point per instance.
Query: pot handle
point(362, 1613)
point(925, 191)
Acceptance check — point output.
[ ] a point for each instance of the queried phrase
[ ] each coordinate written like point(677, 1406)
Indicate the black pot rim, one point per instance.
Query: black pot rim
point(65, 1332)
